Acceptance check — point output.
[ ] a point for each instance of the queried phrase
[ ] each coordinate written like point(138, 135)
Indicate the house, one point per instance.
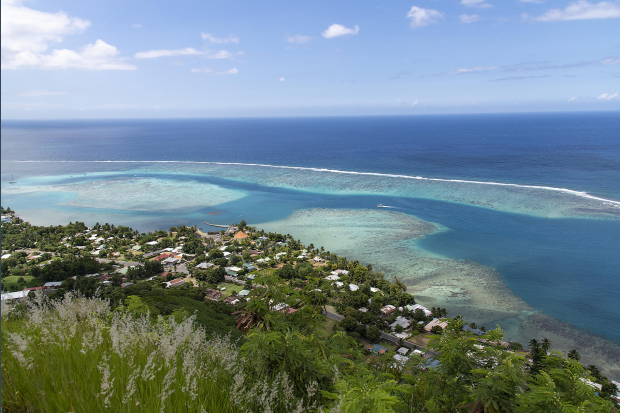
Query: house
point(233, 269)
point(280, 307)
point(203, 266)
point(354, 287)
point(17, 295)
point(52, 284)
point(476, 331)
point(125, 285)
point(151, 243)
point(213, 295)
point(374, 290)
point(240, 235)
point(136, 247)
point(163, 256)
point(249, 267)
point(378, 349)
point(33, 289)
point(251, 277)
point(318, 259)
point(400, 321)
point(244, 293)
point(363, 310)
point(403, 351)
point(400, 359)
point(412, 308)
point(231, 300)
point(339, 284)
point(5, 256)
point(332, 277)
point(388, 309)
point(344, 272)
point(436, 322)
point(149, 255)
point(175, 283)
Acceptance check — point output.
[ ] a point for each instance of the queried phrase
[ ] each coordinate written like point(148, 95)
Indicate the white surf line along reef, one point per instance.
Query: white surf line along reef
point(337, 171)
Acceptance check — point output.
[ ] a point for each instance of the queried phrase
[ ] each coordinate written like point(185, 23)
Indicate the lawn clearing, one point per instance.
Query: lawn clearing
point(12, 280)
point(229, 288)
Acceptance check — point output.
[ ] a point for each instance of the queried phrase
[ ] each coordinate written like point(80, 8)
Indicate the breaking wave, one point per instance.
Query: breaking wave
point(378, 174)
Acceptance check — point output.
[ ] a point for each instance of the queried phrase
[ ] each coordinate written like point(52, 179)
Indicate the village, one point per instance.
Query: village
point(228, 265)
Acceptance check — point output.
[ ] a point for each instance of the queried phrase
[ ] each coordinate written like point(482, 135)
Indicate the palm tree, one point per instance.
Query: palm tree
point(574, 355)
point(545, 345)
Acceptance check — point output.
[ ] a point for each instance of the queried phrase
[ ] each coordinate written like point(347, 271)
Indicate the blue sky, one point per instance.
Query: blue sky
point(82, 59)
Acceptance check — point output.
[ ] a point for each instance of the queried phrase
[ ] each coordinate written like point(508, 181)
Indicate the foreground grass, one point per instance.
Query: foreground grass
point(75, 355)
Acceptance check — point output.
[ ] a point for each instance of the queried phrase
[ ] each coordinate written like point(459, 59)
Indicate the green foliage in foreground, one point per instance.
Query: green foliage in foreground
point(78, 355)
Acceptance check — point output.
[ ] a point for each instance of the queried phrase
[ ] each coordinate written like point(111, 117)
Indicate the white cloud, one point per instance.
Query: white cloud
point(607, 96)
point(136, 25)
point(573, 99)
point(299, 38)
point(476, 3)
point(28, 33)
point(582, 10)
point(97, 56)
point(152, 54)
point(42, 92)
point(223, 54)
point(423, 17)
point(611, 61)
point(531, 1)
point(282, 79)
point(213, 39)
point(469, 18)
point(232, 71)
point(336, 30)
point(472, 70)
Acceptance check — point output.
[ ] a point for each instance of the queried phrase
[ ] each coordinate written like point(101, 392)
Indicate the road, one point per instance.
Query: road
point(384, 336)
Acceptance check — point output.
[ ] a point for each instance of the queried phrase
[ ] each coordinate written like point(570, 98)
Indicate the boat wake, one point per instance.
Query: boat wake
point(581, 194)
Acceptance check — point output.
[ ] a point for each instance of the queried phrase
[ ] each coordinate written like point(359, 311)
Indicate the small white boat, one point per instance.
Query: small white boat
point(380, 206)
point(12, 181)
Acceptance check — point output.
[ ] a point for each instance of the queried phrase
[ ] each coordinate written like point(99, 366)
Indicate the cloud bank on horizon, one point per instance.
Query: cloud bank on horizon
point(62, 62)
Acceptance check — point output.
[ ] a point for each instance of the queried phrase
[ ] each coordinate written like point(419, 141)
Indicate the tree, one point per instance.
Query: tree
point(436, 330)
point(215, 276)
point(574, 355)
point(348, 323)
point(373, 333)
point(399, 329)
point(366, 393)
point(287, 272)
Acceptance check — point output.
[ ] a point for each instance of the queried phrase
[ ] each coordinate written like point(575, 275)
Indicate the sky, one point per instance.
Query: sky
point(69, 59)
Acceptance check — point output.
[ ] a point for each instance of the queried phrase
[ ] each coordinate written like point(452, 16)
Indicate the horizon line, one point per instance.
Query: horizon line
point(319, 116)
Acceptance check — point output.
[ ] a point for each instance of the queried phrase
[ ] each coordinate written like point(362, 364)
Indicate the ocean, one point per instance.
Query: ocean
point(510, 219)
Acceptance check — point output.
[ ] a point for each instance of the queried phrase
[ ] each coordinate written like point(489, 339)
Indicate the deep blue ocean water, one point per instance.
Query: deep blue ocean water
point(569, 268)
